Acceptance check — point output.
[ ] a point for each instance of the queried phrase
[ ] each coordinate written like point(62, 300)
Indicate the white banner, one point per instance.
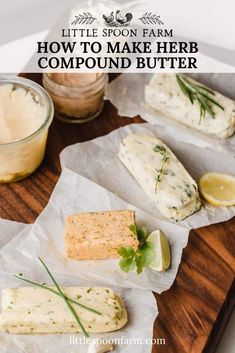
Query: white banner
point(139, 36)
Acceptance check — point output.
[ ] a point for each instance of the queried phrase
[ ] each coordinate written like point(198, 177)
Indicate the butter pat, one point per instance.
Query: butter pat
point(98, 235)
point(164, 94)
point(176, 193)
point(36, 310)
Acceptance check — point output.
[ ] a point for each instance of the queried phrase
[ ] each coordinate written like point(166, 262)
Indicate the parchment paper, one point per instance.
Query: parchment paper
point(97, 160)
point(8, 230)
point(93, 179)
point(127, 94)
point(19, 255)
point(73, 194)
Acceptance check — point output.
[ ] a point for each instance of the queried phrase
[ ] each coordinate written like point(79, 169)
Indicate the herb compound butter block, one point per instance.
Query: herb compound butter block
point(98, 235)
point(164, 94)
point(36, 310)
point(161, 175)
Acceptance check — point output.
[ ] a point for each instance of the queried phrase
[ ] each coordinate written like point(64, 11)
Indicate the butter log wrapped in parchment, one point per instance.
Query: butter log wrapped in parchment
point(161, 175)
point(35, 310)
point(191, 103)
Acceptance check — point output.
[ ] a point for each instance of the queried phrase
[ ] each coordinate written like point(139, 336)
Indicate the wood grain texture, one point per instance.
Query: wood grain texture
point(194, 311)
point(199, 303)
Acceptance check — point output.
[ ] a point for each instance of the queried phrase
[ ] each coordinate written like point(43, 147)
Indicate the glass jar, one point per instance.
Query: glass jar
point(77, 99)
point(21, 157)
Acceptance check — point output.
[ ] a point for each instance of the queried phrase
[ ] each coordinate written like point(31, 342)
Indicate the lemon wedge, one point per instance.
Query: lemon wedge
point(218, 189)
point(161, 248)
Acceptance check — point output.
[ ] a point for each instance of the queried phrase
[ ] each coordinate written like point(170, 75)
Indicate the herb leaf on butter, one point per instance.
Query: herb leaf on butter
point(140, 258)
point(199, 93)
point(162, 171)
point(134, 230)
point(140, 233)
point(160, 149)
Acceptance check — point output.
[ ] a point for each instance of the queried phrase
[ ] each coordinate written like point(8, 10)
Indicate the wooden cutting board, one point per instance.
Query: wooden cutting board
point(194, 311)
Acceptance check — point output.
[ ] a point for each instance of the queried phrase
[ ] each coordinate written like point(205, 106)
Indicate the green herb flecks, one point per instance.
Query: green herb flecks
point(162, 171)
point(60, 293)
point(57, 293)
point(201, 94)
point(140, 258)
point(73, 312)
point(160, 149)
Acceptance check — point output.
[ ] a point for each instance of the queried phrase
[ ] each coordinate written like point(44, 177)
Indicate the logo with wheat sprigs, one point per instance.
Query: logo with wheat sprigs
point(117, 19)
point(85, 18)
point(150, 18)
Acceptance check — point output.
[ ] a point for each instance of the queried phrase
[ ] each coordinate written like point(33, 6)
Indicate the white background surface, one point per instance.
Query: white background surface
point(31, 18)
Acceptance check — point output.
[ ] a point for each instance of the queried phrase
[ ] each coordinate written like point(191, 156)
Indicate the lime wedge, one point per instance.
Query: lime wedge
point(161, 247)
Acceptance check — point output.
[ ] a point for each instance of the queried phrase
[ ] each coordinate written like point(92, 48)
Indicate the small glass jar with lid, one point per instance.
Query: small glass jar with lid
point(78, 97)
point(26, 112)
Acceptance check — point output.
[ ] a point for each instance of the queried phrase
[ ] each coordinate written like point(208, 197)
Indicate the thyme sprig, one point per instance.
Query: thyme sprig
point(201, 94)
point(162, 171)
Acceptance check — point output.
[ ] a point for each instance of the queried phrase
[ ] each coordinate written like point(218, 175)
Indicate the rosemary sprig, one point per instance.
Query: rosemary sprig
point(160, 172)
point(73, 312)
point(199, 93)
point(57, 293)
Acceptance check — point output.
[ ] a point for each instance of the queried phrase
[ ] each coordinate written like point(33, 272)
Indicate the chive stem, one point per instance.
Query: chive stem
point(57, 293)
point(73, 312)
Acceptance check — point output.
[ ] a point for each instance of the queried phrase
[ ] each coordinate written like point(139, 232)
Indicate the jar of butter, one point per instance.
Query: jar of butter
point(78, 97)
point(26, 112)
